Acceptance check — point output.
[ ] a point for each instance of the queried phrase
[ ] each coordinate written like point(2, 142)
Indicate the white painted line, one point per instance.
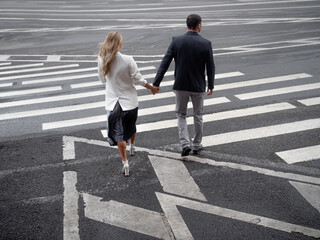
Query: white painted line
point(52, 99)
point(53, 58)
point(98, 83)
point(74, 122)
point(310, 101)
point(39, 69)
point(262, 132)
point(148, 9)
point(47, 74)
point(217, 116)
point(22, 66)
point(278, 91)
point(65, 78)
point(150, 97)
point(5, 63)
point(69, 154)
point(147, 68)
point(70, 207)
point(29, 91)
point(167, 108)
point(300, 154)
point(125, 216)
point(55, 110)
point(263, 81)
point(175, 178)
point(169, 205)
point(310, 192)
point(103, 118)
point(218, 76)
point(4, 57)
point(6, 84)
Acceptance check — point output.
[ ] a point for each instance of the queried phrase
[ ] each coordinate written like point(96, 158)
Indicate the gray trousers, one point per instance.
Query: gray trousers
point(182, 99)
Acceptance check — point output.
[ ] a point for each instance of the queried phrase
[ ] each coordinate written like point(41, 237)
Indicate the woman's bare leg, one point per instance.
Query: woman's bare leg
point(122, 146)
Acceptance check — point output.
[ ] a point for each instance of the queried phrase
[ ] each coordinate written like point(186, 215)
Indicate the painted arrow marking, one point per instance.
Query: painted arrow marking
point(310, 192)
point(169, 206)
point(175, 178)
point(129, 217)
point(125, 216)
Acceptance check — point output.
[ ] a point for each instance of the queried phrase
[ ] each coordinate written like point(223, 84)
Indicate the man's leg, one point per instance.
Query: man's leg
point(197, 102)
point(182, 98)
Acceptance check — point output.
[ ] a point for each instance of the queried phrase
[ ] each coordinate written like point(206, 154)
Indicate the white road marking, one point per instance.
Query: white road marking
point(4, 63)
point(74, 122)
point(310, 101)
point(125, 216)
point(53, 58)
point(65, 78)
point(21, 66)
point(47, 111)
point(103, 118)
point(38, 69)
point(310, 192)
point(262, 81)
point(69, 153)
point(169, 205)
point(4, 57)
point(154, 126)
point(147, 9)
point(70, 207)
point(175, 178)
point(6, 84)
point(300, 155)
point(278, 91)
point(262, 132)
point(52, 99)
point(47, 74)
point(163, 83)
point(29, 91)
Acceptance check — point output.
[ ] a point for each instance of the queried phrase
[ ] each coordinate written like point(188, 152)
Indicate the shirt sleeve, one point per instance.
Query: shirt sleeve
point(135, 74)
point(210, 68)
point(165, 63)
point(101, 75)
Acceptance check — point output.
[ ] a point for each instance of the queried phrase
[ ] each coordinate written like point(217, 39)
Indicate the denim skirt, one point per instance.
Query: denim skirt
point(121, 125)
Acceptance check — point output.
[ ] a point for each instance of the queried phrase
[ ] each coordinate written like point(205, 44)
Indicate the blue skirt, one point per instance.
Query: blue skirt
point(121, 124)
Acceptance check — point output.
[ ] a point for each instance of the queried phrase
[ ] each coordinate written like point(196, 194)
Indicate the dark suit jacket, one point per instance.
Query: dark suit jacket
point(192, 55)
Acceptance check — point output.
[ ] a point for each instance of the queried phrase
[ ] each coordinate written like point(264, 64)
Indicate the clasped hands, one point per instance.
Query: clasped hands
point(153, 89)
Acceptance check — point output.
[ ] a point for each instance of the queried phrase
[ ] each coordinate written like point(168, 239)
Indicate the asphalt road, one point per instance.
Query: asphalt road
point(258, 176)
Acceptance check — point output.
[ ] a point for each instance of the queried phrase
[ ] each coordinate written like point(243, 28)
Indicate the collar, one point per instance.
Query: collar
point(192, 33)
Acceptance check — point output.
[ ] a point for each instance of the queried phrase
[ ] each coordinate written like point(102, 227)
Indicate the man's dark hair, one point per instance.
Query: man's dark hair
point(193, 21)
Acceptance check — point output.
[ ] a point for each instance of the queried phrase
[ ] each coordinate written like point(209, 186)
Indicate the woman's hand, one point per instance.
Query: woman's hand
point(153, 89)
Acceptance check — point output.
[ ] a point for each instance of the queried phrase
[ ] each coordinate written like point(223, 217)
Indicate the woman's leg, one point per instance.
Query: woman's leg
point(133, 138)
point(122, 146)
point(132, 148)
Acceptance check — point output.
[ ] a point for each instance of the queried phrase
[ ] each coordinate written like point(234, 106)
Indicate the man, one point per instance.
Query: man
point(192, 55)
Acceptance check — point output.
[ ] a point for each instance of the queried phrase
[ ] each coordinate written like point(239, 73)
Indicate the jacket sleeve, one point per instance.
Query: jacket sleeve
point(135, 74)
point(101, 76)
point(210, 68)
point(165, 63)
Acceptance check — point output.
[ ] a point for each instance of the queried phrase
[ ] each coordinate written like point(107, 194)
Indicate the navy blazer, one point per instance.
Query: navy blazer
point(192, 55)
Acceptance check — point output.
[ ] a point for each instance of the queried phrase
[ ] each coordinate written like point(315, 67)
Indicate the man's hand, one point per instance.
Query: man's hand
point(209, 91)
point(154, 90)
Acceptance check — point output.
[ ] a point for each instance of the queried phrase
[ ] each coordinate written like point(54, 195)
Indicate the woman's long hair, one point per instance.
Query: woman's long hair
point(109, 49)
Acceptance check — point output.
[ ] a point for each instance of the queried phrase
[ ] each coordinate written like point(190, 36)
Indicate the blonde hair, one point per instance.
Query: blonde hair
point(109, 49)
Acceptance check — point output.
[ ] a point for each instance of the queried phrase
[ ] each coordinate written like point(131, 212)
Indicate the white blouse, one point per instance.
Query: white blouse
point(120, 82)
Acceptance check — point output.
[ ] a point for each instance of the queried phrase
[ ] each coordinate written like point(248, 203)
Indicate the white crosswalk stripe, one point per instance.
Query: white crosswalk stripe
point(74, 99)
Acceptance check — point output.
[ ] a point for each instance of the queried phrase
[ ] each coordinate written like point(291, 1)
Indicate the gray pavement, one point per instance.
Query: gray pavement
point(258, 176)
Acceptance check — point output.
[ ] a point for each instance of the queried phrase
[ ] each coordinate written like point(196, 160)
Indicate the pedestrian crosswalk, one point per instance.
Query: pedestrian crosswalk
point(63, 96)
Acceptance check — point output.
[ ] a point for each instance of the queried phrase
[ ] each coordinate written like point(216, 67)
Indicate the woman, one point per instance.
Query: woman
point(120, 73)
